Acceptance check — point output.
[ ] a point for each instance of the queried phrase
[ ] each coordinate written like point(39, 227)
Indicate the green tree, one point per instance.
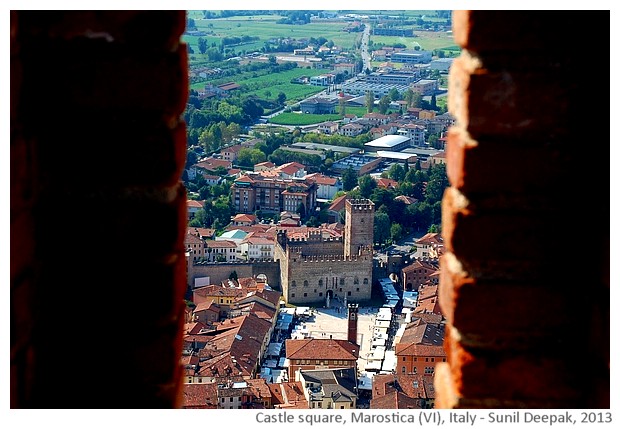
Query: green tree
point(214, 54)
point(406, 188)
point(384, 104)
point(202, 45)
point(394, 94)
point(418, 191)
point(366, 185)
point(267, 93)
point(191, 158)
point(396, 231)
point(417, 99)
point(349, 179)
point(370, 101)
point(342, 107)
point(281, 98)
point(249, 157)
point(432, 140)
point(381, 228)
point(233, 275)
point(408, 97)
point(396, 172)
point(433, 102)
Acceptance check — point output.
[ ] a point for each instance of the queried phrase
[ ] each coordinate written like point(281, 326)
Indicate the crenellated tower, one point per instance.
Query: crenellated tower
point(359, 227)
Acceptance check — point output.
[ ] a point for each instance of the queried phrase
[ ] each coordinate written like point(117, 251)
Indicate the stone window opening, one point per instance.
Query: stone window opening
point(500, 32)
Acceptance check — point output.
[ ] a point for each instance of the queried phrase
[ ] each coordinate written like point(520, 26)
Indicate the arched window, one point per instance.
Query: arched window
point(341, 281)
point(365, 281)
point(293, 283)
point(321, 282)
point(305, 283)
point(356, 281)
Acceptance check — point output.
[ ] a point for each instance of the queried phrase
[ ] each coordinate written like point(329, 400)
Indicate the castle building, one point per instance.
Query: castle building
point(313, 268)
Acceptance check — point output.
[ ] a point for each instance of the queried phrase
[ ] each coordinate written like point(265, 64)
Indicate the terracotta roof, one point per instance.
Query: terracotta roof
point(259, 240)
point(235, 148)
point(217, 290)
point(193, 328)
point(212, 163)
point(220, 244)
point(207, 305)
point(268, 164)
point(420, 332)
point(200, 395)
point(395, 400)
point(383, 182)
point(430, 238)
point(427, 291)
point(229, 86)
point(417, 385)
point(321, 349)
point(322, 179)
point(419, 264)
point(196, 204)
point(201, 232)
point(288, 395)
point(243, 217)
point(191, 239)
point(338, 203)
point(258, 388)
point(291, 168)
point(189, 360)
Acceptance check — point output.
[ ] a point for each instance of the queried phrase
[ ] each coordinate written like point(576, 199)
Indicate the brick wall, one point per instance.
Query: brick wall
point(97, 208)
point(527, 311)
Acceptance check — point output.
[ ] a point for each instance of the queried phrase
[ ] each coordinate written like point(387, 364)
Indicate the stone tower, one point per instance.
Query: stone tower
point(352, 318)
point(359, 226)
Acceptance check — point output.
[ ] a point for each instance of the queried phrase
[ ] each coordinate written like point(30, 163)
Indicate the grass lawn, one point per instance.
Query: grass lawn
point(274, 83)
point(302, 118)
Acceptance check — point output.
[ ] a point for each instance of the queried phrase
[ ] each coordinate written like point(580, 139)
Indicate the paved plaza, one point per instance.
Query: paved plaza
point(332, 322)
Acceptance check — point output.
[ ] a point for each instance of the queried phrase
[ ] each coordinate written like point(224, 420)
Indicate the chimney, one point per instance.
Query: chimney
point(352, 317)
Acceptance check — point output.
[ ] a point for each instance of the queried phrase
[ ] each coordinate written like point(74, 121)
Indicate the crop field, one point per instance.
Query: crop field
point(265, 27)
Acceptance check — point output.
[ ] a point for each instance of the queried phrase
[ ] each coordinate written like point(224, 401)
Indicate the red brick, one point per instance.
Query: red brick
point(496, 235)
point(503, 314)
point(511, 375)
point(507, 103)
point(515, 30)
point(514, 165)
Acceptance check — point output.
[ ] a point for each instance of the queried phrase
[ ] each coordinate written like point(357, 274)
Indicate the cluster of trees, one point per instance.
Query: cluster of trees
point(394, 217)
point(296, 17)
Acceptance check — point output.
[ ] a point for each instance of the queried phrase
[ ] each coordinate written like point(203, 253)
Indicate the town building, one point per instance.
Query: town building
point(313, 269)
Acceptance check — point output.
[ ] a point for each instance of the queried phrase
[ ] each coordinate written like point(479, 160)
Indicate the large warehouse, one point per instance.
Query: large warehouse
point(392, 143)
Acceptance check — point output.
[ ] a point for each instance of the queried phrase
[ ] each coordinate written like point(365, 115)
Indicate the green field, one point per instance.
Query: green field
point(274, 83)
point(427, 40)
point(265, 27)
point(302, 118)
